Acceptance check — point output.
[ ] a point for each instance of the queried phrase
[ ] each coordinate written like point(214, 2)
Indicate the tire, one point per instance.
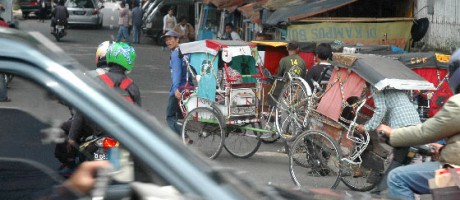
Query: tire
point(359, 183)
point(291, 110)
point(25, 15)
point(242, 143)
point(314, 160)
point(207, 133)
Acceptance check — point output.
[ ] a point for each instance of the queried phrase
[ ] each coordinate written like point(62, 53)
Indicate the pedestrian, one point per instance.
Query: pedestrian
point(169, 22)
point(137, 22)
point(185, 30)
point(178, 78)
point(321, 72)
point(293, 63)
point(403, 182)
point(3, 81)
point(230, 33)
point(123, 23)
point(395, 109)
point(42, 14)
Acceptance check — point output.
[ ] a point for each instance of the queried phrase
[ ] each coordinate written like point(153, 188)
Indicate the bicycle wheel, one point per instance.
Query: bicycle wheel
point(291, 110)
point(314, 160)
point(356, 178)
point(241, 142)
point(203, 129)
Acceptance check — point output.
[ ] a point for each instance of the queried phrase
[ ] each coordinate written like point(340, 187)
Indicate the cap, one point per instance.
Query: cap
point(293, 45)
point(171, 33)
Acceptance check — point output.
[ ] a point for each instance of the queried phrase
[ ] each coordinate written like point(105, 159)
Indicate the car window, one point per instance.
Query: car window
point(80, 4)
point(35, 126)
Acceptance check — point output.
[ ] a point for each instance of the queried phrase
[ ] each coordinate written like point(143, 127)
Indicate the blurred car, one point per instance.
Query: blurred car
point(85, 12)
point(31, 6)
point(155, 164)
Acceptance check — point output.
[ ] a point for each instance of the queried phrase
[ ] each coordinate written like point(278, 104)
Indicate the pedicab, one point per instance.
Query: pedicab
point(270, 53)
point(225, 110)
point(434, 68)
point(329, 150)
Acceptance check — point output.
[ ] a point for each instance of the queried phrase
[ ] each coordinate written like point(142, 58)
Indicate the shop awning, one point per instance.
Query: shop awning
point(252, 10)
point(293, 13)
point(229, 5)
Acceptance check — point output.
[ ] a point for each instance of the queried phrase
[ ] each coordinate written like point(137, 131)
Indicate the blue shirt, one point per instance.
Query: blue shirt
point(178, 72)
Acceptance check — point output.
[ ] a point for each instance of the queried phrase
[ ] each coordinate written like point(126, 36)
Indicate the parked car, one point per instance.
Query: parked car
point(31, 6)
point(85, 12)
point(153, 24)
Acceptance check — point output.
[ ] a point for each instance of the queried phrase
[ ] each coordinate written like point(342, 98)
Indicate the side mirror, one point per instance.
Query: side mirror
point(102, 7)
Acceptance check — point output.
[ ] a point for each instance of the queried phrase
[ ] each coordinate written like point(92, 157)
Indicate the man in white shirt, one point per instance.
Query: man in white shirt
point(230, 34)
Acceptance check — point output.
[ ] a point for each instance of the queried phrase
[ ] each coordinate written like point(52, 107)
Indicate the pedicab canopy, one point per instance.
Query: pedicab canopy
point(271, 52)
point(434, 68)
point(352, 73)
point(204, 57)
point(382, 72)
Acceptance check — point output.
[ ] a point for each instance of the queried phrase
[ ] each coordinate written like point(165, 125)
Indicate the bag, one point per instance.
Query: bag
point(446, 183)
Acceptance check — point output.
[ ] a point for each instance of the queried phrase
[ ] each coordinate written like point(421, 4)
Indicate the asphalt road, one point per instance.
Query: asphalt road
point(152, 75)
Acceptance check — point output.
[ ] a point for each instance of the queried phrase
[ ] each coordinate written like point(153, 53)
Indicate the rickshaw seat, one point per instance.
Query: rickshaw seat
point(243, 85)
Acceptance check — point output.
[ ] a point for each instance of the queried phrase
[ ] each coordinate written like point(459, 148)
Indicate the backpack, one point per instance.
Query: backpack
point(121, 88)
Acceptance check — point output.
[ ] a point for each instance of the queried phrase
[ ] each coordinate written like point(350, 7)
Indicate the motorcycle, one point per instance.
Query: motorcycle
point(59, 29)
point(98, 148)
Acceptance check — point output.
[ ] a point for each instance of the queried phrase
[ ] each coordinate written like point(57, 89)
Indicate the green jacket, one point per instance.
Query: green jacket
point(445, 124)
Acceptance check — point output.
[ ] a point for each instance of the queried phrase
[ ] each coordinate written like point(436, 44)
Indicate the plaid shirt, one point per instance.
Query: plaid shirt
point(394, 108)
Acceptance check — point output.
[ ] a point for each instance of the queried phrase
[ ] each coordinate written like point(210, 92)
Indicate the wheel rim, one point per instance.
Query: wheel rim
point(314, 160)
point(291, 110)
point(242, 143)
point(205, 128)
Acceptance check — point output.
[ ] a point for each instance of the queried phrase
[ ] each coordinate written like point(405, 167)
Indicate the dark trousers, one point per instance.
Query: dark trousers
point(173, 113)
point(3, 88)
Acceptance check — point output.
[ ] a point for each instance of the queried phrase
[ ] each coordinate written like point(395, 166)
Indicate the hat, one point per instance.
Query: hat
point(293, 45)
point(171, 33)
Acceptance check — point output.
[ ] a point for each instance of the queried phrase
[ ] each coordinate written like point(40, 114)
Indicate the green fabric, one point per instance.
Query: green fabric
point(245, 65)
point(122, 54)
point(296, 63)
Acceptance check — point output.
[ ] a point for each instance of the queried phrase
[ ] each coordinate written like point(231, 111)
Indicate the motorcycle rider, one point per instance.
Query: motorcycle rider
point(60, 12)
point(120, 58)
point(404, 181)
point(113, 61)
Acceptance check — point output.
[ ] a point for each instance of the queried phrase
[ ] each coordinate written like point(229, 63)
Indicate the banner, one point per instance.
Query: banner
point(394, 33)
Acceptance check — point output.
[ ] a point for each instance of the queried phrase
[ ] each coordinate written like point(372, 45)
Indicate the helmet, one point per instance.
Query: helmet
point(101, 52)
point(122, 54)
point(454, 72)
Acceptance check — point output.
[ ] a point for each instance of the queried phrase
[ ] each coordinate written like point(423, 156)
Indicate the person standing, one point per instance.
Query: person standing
point(178, 79)
point(123, 22)
point(42, 15)
point(169, 22)
point(323, 70)
point(292, 63)
point(3, 81)
point(185, 30)
point(137, 22)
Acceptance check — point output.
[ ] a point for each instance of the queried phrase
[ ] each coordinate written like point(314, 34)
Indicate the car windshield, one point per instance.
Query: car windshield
point(38, 123)
point(80, 4)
